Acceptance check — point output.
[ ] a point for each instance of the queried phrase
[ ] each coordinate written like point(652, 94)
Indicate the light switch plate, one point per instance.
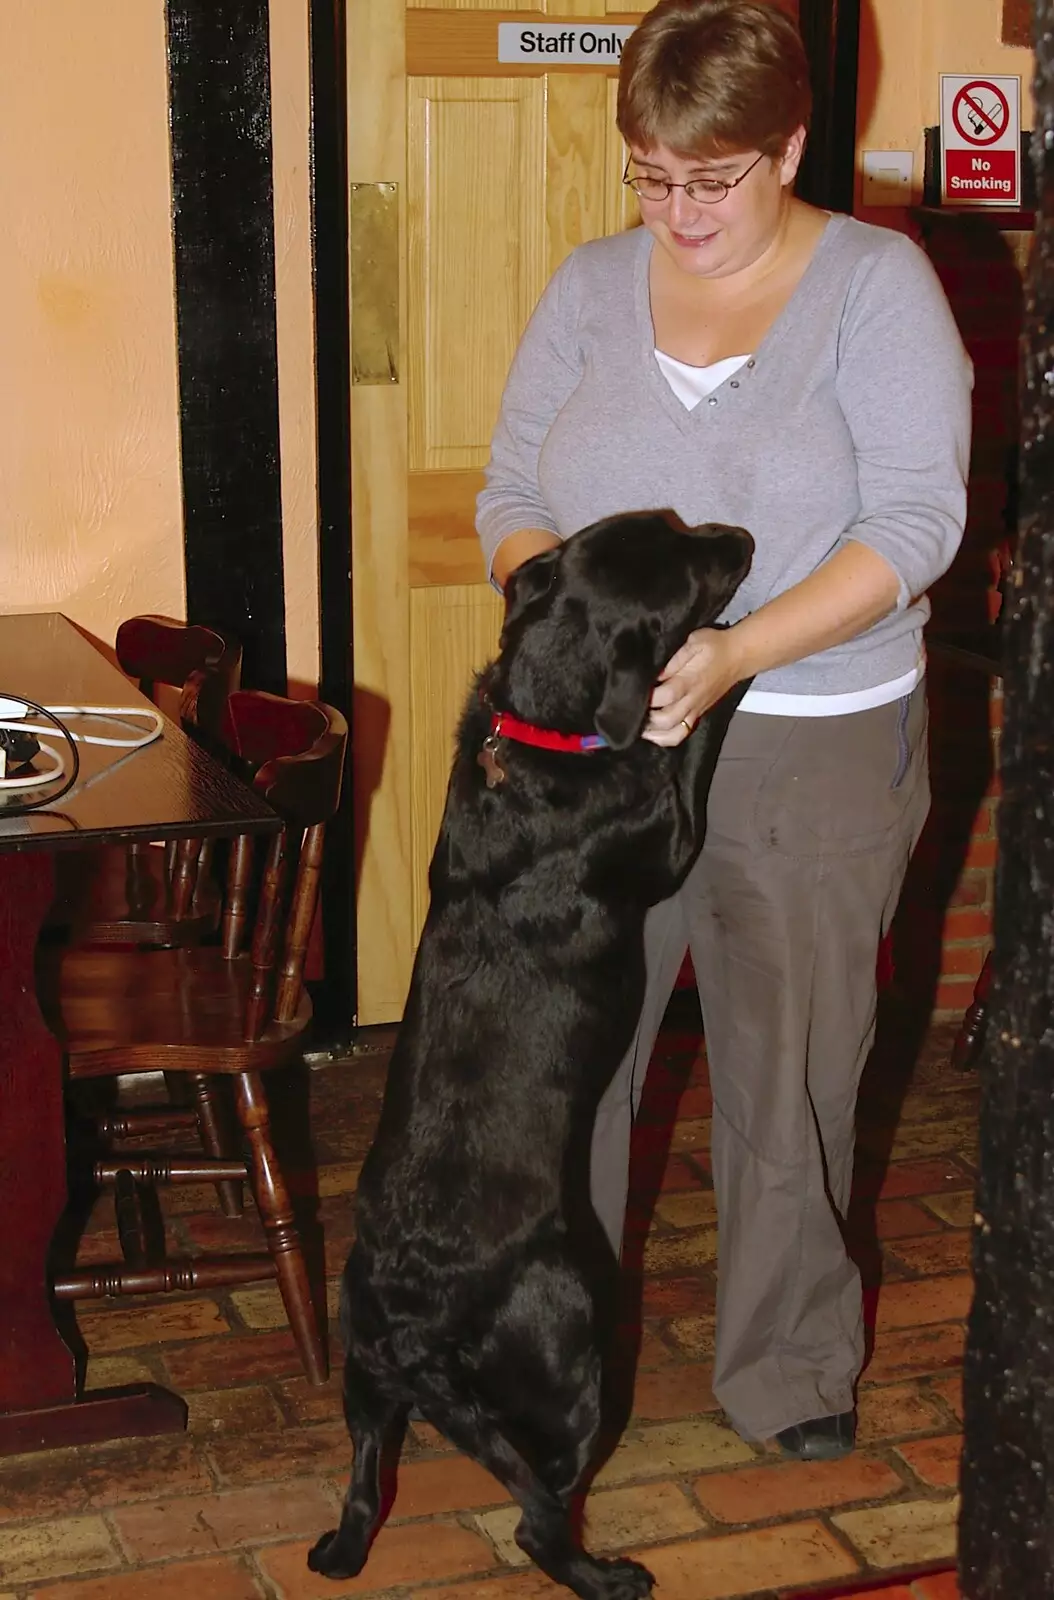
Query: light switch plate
point(887, 177)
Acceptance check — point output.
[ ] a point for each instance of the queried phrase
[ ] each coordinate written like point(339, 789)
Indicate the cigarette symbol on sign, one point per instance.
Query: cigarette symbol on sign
point(981, 113)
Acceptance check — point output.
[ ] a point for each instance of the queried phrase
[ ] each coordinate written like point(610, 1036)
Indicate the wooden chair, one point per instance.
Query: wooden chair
point(237, 1009)
point(139, 893)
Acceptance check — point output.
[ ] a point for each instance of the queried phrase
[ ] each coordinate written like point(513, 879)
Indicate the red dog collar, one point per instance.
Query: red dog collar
point(503, 725)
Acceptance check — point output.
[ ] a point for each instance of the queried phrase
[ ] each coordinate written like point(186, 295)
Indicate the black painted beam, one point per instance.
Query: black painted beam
point(223, 215)
point(336, 1001)
point(830, 30)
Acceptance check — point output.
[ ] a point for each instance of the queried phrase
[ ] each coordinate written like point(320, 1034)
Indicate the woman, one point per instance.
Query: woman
point(746, 358)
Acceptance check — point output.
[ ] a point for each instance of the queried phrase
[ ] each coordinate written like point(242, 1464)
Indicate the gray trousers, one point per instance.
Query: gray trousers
point(810, 825)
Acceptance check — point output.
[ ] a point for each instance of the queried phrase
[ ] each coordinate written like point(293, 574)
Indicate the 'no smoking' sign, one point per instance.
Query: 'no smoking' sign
point(981, 141)
point(981, 112)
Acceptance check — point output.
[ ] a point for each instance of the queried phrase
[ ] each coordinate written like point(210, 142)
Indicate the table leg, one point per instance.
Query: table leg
point(39, 1408)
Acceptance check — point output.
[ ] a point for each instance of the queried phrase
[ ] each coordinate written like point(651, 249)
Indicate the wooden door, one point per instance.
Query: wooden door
point(499, 171)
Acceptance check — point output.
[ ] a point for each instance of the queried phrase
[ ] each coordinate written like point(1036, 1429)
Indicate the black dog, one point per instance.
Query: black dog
point(469, 1292)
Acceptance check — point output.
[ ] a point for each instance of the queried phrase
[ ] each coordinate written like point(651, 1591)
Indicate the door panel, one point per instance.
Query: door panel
point(477, 258)
point(452, 633)
point(501, 170)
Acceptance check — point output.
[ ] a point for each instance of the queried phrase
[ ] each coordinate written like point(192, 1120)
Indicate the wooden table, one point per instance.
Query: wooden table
point(168, 790)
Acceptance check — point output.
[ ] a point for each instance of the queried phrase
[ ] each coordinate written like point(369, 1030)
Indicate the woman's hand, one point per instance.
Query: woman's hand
point(842, 599)
point(709, 663)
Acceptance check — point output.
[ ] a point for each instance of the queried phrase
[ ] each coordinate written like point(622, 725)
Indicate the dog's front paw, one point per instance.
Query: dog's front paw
point(627, 1580)
point(333, 1559)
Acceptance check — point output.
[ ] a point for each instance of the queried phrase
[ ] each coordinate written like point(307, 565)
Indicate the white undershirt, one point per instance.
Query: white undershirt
point(692, 385)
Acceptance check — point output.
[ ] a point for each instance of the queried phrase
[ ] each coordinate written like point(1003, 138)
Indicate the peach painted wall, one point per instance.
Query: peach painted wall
point(89, 412)
point(904, 47)
point(89, 446)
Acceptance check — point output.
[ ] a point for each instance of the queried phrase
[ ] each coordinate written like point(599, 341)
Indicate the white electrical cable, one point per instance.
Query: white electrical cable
point(13, 714)
point(36, 780)
point(110, 713)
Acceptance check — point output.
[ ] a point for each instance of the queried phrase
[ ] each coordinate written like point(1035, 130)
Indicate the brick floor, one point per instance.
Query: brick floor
point(229, 1511)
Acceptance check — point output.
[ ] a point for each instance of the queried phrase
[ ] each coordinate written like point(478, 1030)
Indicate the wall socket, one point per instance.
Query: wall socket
point(887, 177)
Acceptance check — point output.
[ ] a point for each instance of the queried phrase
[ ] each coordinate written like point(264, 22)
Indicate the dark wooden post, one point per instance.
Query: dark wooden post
point(1007, 1529)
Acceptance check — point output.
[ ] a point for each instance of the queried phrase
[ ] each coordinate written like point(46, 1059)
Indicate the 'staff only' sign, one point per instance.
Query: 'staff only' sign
point(981, 141)
point(593, 44)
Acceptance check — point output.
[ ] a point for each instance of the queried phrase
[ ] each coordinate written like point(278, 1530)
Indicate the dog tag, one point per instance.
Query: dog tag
point(488, 760)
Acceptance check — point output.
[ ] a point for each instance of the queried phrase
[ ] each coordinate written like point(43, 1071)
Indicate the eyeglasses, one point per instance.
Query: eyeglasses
point(707, 191)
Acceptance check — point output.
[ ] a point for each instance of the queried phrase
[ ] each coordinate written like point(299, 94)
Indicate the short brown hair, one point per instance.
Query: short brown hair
point(710, 77)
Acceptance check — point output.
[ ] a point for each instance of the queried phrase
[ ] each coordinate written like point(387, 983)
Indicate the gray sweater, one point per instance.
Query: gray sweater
point(851, 422)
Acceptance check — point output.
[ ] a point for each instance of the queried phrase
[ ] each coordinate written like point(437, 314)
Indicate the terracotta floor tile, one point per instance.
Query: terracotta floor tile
point(920, 1140)
point(529, 1585)
point(260, 1306)
point(958, 1208)
point(693, 1335)
point(615, 1519)
point(126, 1327)
point(67, 1545)
point(102, 1244)
point(760, 1494)
point(950, 1391)
point(236, 1359)
point(264, 1457)
point(696, 1101)
point(893, 1410)
point(499, 1530)
point(904, 1534)
point(191, 1580)
point(181, 1199)
point(113, 1372)
point(908, 1178)
point(935, 1461)
point(742, 1563)
point(408, 1553)
point(690, 1208)
point(689, 1103)
point(940, 1102)
point(693, 1133)
point(58, 1482)
point(940, 1253)
point(199, 1525)
point(676, 1296)
point(340, 1178)
point(450, 1483)
point(893, 1219)
point(913, 1304)
point(676, 1391)
point(246, 1410)
point(938, 1586)
point(672, 1252)
point(671, 1449)
point(429, 1439)
point(905, 1352)
point(212, 1231)
point(679, 1174)
point(898, 1592)
point(654, 1352)
point(304, 1402)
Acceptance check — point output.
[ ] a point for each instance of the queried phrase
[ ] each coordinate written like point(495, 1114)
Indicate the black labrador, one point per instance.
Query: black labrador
point(470, 1290)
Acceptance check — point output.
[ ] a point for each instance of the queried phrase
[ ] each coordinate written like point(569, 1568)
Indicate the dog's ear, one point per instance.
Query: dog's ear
point(631, 672)
point(529, 582)
point(722, 557)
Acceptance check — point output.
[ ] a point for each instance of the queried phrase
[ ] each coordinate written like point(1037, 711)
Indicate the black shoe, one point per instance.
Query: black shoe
point(821, 1439)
